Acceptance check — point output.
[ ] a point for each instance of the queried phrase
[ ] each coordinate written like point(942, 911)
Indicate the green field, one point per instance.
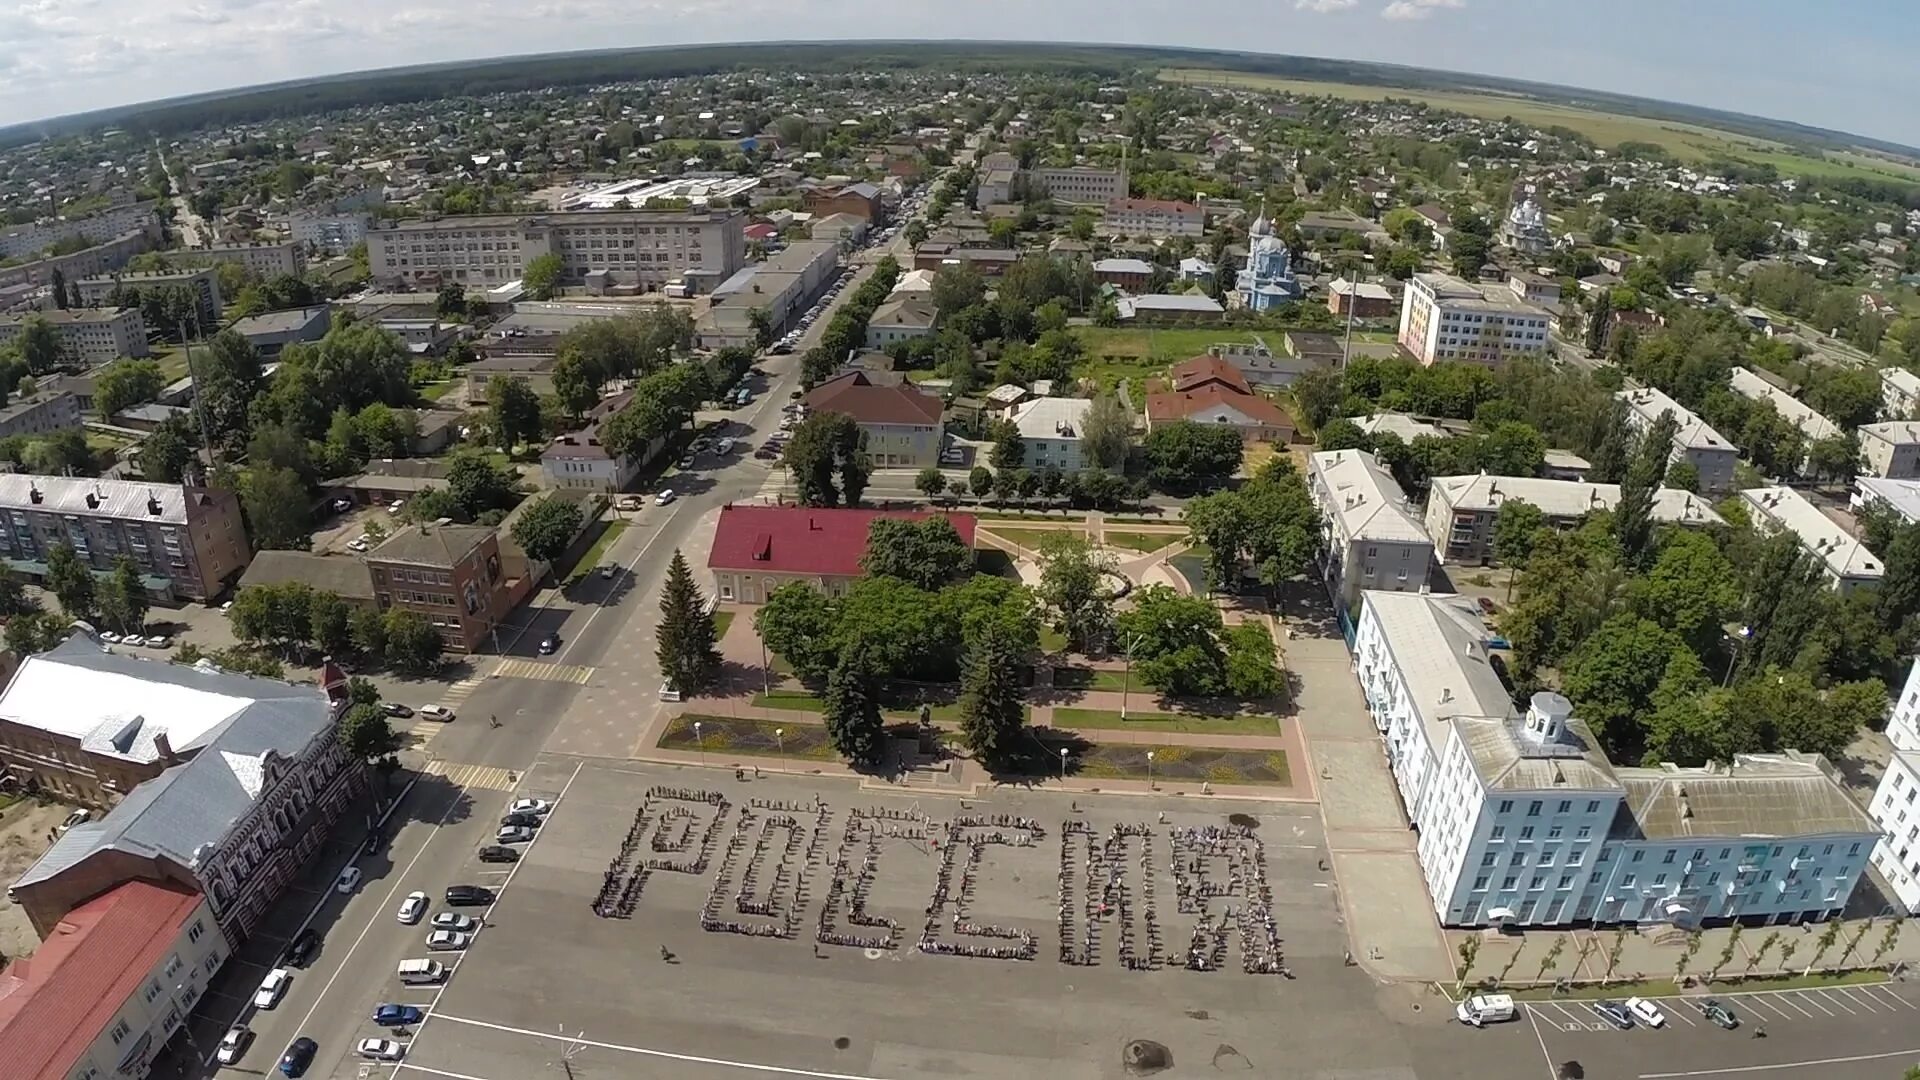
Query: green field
point(1142, 541)
point(1179, 723)
point(1155, 349)
point(1686, 142)
point(1028, 538)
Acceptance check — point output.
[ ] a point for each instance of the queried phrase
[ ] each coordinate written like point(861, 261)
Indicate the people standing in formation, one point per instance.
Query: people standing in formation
point(1260, 952)
point(621, 884)
point(1007, 829)
point(792, 867)
point(866, 827)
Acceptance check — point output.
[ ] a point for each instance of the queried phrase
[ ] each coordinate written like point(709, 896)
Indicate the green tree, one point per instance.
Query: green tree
point(36, 632)
point(1185, 456)
point(166, 450)
point(1611, 677)
point(1174, 642)
point(992, 705)
point(123, 596)
point(823, 445)
point(542, 276)
point(1691, 589)
point(927, 553)
point(226, 380)
point(544, 530)
point(478, 484)
point(852, 715)
point(980, 481)
point(413, 645)
point(1008, 451)
point(38, 345)
point(1633, 514)
point(513, 411)
point(1598, 321)
point(1340, 433)
point(125, 383)
point(931, 482)
point(329, 625)
point(1073, 584)
point(761, 320)
point(686, 650)
point(797, 623)
point(451, 301)
point(1106, 433)
point(70, 581)
point(1515, 529)
point(368, 629)
point(367, 735)
point(1684, 476)
point(1251, 670)
point(275, 501)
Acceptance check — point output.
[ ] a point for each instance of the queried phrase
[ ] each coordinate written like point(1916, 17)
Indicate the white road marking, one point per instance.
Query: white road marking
point(1870, 1004)
point(1782, 1065)
point(1887, 991)
point(660, 529)
point(1553, 1071)
point(1815, 1002)
point(749, 1066)
point(1756, 1001)
point(1678, 1011)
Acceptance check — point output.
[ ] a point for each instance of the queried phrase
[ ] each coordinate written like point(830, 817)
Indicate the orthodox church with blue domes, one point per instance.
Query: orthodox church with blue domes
point(1267, 280)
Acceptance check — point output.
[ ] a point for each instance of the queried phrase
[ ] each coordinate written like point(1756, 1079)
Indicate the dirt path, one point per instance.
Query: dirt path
point(24, 829)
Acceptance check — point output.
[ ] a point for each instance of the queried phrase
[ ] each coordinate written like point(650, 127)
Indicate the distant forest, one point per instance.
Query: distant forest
point(478, 77)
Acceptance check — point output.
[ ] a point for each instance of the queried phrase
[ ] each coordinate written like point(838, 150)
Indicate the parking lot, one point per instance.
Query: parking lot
point(754, 990)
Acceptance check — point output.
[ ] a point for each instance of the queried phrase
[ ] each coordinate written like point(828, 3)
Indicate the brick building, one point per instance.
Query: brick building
point(451, 574)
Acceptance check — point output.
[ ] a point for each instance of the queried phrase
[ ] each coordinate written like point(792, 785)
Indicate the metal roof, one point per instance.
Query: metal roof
point(1760, 795)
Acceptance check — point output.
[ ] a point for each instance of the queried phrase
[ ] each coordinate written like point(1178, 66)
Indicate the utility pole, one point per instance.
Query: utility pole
point(571, 1050)
point(199, 406)
point(1346, 347)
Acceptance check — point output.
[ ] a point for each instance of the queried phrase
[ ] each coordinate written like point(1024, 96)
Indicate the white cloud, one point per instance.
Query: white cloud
point(1417, 9)
point(1324, 6)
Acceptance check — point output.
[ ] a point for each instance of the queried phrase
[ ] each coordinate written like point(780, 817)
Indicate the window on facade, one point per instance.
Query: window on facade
point(1638, 855)
point(1526, 833)
point(1480, 883)
point(120, 1031)
point(1533, 808)
point(1566, 806)
point(1553, 832)
point(1593, 806)
point(1488, 859)
point(1499, 833)
point(1506, 806)
point(1506, 883)
point(1627, 882)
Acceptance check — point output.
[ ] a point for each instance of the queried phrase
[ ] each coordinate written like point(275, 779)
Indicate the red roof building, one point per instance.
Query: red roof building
point(79, 1001)
point(1209, 390)
point(757, 549)
point(901, 422)
point(1207, 370)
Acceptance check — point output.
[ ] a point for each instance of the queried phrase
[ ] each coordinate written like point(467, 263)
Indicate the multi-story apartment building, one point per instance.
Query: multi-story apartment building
point(26, 241)
point(1523, 821)
point(333, 234)
point(111, 985)
point(1812, 425)
point(1078, 185)
point(782, 286)
point(581, 459)
point(1900, 496)
point(1891, 449)
point(901, 423)
point(1050, 432)
point(1445, 318)
point(1157, 218)
point(1896, 802)
point(202, 281)
point(40, 413)
point(450, 574)
point(188, 541)
point(102, 258)
point(994, 180)
point(236, 818)
point(645, 248)
point(1370, 538)
point(88, 336)
point(1461, 510)
point(1848, 563)
point(1899, 394)
point(757, 549)
point(1695, 442)
point(266, 261)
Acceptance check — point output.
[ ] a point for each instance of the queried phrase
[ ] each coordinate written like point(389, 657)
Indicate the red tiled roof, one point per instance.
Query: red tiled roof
point(1194, 373)
point(1181, 404)
point(55, 1004)
point(799, 540)
point(857, 396)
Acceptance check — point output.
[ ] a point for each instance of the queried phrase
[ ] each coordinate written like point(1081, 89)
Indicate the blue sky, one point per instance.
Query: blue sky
point(1839, 64)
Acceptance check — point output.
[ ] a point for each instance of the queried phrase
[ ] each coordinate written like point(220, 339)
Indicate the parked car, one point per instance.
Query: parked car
point(453, 920)
point(394, 708)
point(299, 1055)
point(529, 806)
point(348, 880)
point(513, 834)
point(666, 496)
point(468, 895)
point(549, 644)
point(233, 1044)
point(1487, 605)
point(413, 908)
point(1614, 1013)
point(1717, 1012)
point(530, 820)
point(381, 1049)
point(388, 1014)
point(109, 637)
point(1647, 1012)
point(300, 950)
point(608, 571)
point(78, 817)
point(445, 940)
point(342, 504)
point(436, 712)
point(496, 853)
point(766, 453)
point(272, 988)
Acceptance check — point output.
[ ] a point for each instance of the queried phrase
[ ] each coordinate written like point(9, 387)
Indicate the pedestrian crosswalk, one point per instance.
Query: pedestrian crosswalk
point(534, 669)
point(490, 777)
point(423, 732)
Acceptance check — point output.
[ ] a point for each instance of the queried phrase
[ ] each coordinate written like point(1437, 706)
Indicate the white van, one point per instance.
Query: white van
point(421, 972)
point(1483, 1009)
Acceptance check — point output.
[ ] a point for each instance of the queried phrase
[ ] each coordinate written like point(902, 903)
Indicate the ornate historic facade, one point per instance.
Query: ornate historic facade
point(1267, 279)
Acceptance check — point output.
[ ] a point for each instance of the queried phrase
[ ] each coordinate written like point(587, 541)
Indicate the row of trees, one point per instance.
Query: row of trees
point(294, 616)
point(1086, 489)
point(846, 331)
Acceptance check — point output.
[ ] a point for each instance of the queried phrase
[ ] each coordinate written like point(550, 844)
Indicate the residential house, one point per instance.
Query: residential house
point(1210, 390)
point(449, 574)
point(1370, 538)
point(189, 542)
point(1899, 394)
point(1894, 808)
point(1131, 275)
point(1791, 409)
point(858, 200)
point(581, 459)
point(1157, 218)
point(1078, 185)
point(1847, 562)
point(104, 291)
point(39, 414)
point(645, 249)
point(1900, 496)
point(1891, 449)
point(1694, 442)
point(1359, 299)
point(902, 318)
point(1050, 430)
point(88, 336)
point(1445, 318)
point(901, 423)
point(1461, 510)
point(757, 549)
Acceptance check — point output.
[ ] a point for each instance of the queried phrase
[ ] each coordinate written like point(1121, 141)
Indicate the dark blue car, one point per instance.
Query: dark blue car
point(299, 1055)
point(391, 1015)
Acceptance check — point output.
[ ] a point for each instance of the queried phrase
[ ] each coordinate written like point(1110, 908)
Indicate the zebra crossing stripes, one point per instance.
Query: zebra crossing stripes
point(580, 674)
point(490, 777)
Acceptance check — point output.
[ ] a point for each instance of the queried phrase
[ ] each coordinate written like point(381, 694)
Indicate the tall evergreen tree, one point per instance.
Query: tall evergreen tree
point(1633, 516)
point(851, 713)
point(123, 597)
point(70, 581)
point(1597, 323)
point(686, 651)
point(991, 706)
point(59, 286)
point(1610, 458)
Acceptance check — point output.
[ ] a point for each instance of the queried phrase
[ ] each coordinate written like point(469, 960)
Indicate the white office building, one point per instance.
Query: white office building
point(1461, 510)
point(1447, 319)
point(1848, 563)
point(1899, 394)
point(1896, 803)
point(1050, 430)
point(1891, 449)
point(645, 248)
point(1695, 443)
point(333, 234)
point(1370, 536)
point(1522, 820)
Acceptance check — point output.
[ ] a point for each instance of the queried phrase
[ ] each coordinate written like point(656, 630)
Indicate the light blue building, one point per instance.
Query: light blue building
point(1267, 280)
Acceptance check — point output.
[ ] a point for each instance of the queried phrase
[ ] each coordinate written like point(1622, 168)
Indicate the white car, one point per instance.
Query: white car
point(381, 1049)
point(453, 920)
point(394, 506)
point(348, 880)
point(1646, 1012)
point(665, 497)
point(529, 806)
point(272, 988)
point(159, 641)
point(413, 908)
point(109, 637)
point(436, 712)
point(514, 834)
point(358, 545)
point(441, 940)
point(233, 1044)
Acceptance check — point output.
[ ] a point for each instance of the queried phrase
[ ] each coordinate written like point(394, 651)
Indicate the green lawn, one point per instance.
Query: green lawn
point(1015, 515)
point(1121, 344)
point(434, 391)
point(1141, 541)
point(1029, 538)
point(807, 701)
point(590, 559)
point(1178, 723)
point(724, 736)
point(803, 700)
point(172, 360)
point(1052, 640)
point(722, 620)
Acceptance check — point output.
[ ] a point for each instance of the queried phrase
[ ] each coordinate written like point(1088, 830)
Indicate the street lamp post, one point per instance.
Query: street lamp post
point(766, 672)
point(780, 738)
point(700, 742)
point(1063, 764)
point(1150, 770)
point(1126, 678)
